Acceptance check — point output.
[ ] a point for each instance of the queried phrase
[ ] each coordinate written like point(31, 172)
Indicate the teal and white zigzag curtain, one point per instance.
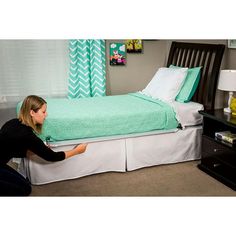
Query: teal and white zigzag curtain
point(87, 76)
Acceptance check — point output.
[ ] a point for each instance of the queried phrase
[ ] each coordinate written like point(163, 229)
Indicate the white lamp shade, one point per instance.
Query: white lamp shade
point(227, 80)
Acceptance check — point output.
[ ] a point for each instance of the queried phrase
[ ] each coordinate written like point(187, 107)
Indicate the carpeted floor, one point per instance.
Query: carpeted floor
point(183, 179)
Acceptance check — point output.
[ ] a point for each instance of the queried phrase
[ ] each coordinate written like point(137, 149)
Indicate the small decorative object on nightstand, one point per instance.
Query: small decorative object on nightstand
point(227, 82)
point(233, 106)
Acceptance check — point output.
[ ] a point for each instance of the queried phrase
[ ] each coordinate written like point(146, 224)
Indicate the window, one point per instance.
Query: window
point(33, 67)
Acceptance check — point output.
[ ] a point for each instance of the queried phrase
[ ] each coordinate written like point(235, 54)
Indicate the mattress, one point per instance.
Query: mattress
point(105, 116)
point(186, 113)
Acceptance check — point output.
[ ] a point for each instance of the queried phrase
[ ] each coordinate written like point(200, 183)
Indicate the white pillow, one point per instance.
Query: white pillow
point(166, 83)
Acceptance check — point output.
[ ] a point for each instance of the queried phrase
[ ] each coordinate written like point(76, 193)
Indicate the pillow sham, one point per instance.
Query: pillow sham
point(190, 84)
point(166, 83)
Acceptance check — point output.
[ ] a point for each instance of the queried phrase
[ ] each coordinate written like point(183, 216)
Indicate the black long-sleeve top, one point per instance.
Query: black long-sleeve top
point(16, 139)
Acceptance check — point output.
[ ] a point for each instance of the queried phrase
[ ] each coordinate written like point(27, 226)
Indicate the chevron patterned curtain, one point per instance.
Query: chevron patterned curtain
point(87, 76)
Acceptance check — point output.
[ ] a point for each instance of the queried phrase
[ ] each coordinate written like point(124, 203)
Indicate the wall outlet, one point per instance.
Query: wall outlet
point(3, 99)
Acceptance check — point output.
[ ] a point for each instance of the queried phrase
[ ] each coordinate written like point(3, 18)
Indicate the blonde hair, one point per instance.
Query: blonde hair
point(31, 102)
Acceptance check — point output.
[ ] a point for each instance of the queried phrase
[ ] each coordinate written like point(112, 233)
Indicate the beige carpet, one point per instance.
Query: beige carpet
point(183, 179)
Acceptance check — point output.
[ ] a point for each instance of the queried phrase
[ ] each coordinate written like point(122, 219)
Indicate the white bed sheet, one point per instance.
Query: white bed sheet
point(187, 113)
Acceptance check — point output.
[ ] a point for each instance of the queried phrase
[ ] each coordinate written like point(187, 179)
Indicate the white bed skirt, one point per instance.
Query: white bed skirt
point(185, 145)
point(119, 155)
point(99, 157)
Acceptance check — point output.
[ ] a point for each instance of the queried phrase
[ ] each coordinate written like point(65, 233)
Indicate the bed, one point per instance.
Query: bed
point(174, 138)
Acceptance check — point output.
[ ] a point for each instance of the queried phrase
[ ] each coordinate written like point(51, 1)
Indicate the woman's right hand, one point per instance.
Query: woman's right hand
point(81, 148)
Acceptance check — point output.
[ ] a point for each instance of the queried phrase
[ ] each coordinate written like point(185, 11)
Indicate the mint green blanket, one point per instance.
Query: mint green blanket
point(105, 116)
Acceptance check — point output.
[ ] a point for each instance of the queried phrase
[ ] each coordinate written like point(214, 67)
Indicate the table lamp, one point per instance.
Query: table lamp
point(227, 82)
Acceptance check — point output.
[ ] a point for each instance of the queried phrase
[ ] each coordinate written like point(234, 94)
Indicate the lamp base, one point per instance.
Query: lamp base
point(227, 110)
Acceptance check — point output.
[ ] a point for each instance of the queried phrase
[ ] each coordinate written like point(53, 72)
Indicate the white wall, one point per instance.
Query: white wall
point(139, 69)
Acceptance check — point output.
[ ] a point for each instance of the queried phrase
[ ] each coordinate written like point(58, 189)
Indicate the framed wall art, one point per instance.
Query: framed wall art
point(134, 46)
point(117, 54)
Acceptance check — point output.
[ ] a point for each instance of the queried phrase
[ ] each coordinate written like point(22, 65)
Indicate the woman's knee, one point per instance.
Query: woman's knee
point(12, 189)
point(13, 184)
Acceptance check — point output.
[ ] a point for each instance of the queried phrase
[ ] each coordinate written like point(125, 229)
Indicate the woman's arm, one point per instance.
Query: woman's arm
point(37, 146)
point(81, 148)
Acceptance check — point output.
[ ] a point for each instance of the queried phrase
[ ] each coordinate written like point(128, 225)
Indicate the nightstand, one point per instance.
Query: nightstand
point(218, 159)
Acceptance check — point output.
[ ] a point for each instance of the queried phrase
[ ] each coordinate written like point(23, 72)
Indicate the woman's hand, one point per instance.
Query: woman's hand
point(81, 148)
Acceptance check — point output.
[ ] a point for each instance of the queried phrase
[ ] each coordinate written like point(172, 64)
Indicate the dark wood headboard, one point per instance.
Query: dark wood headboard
point(209, 57)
